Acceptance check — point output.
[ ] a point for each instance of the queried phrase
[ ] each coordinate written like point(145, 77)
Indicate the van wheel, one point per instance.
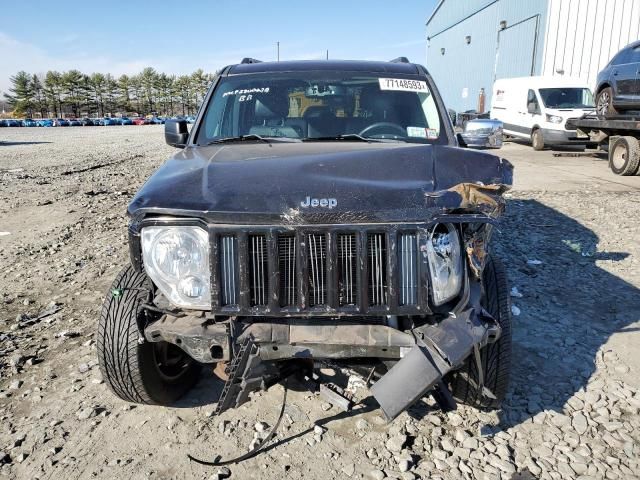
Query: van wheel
point(604, 102)
point(495, 357)
point(155, 373)
point(537, 141)
point(624, 156)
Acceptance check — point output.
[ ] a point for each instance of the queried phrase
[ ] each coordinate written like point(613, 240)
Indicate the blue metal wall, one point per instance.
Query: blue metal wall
point(464, 68)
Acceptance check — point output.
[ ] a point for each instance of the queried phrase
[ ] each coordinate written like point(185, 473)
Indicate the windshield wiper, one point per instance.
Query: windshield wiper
point(240, 138)
point(346, 136)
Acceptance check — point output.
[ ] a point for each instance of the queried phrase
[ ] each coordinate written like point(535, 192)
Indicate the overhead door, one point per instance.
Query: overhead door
point(516, 49)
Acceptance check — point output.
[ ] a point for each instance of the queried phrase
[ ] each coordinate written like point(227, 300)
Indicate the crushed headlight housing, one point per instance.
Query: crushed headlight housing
point(445, 262)
point(176, 258)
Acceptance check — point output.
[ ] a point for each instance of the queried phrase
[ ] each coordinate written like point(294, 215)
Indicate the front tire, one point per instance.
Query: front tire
point(537, 140)
point(134, 369)
point(495, 357)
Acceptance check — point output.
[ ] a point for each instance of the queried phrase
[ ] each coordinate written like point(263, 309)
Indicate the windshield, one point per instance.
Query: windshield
point(314, 105)
point(567, 97)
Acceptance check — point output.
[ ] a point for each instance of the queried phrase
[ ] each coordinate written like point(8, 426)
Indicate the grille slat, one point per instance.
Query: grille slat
point(347, 264)
point(227, 248)
point(258, 257)
point(317, 268)
point(377, 253)
point(287, 265)
point(407, 269)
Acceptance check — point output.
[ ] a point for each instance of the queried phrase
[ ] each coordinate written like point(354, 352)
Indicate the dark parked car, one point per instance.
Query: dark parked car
point(618, 84)
point(60, 122)
point(29, 122)
point(318, 211)
point(74, 122)
point(87, 122)
point(106, 121)
point(45, 122)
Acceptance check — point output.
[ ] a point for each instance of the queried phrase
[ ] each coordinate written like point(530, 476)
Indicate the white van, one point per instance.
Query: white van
point(537, 108)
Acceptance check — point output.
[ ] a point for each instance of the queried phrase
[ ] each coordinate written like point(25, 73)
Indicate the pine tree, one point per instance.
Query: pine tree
point(21, 96)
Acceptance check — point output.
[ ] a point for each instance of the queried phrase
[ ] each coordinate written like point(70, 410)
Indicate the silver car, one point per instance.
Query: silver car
point(483, 133)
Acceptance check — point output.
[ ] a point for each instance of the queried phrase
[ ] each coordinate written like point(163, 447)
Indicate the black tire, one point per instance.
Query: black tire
point(141, 372)
point(496, 357)
point(604, 102)
point(537, 140)
point(624, 156)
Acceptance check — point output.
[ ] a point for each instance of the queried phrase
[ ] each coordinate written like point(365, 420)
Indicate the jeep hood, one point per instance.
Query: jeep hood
point(260, 183)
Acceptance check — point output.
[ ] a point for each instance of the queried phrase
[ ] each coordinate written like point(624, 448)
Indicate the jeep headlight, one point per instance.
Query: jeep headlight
point(177, 260)
point(445, 262)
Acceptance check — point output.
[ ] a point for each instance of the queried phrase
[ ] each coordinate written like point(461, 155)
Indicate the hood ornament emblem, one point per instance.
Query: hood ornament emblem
point(319, 202)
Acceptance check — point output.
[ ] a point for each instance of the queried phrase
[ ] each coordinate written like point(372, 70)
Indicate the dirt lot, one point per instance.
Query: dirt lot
point(570, 243)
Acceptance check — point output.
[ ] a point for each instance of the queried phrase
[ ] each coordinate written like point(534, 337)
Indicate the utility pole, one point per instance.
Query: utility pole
point(278, 49)
point(327, 54)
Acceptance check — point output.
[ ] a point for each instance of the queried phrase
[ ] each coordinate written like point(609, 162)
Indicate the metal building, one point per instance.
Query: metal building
point(470, 43)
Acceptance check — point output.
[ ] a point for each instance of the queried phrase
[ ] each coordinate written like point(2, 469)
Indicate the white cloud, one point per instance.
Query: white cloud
point(17, 55)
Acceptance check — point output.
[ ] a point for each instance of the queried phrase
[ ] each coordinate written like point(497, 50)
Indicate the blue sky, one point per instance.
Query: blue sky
point(178, 37)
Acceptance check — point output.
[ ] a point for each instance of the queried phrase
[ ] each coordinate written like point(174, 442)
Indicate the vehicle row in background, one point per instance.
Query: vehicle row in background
point(84, 122)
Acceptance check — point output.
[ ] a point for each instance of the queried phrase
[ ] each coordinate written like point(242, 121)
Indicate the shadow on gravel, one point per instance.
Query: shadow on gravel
point(206, 392)
point(11, 144)
point(570, 308)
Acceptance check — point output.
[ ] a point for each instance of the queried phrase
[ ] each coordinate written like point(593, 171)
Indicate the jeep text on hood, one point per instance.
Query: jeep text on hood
point(318, 213)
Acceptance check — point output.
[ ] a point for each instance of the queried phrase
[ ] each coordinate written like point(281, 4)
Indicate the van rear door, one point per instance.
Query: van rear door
point(503, 106)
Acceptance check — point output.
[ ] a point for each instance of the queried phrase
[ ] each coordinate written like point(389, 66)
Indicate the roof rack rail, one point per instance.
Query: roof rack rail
point(250, 60)
point(400, 60)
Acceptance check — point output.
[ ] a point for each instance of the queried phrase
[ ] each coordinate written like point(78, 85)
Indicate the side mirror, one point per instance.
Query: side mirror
point(176, 133)
point(461, 141)
point(531, 107)
point(452, 115)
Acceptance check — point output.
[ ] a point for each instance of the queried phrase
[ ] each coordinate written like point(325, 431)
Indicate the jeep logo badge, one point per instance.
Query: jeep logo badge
point(319, 202)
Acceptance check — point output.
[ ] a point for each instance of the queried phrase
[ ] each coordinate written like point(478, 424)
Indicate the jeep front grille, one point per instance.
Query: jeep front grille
point(319, 270)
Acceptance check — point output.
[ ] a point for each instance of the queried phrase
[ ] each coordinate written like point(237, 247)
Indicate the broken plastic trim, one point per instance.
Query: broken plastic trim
point(438, 350)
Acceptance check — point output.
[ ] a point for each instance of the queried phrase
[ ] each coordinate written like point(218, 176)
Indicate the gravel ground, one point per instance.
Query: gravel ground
point(573, 411)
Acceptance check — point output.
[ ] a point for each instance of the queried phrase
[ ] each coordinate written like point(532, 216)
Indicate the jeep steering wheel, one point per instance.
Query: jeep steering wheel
point(381, 125)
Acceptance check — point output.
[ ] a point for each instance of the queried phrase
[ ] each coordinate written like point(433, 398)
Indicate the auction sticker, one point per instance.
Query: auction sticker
point(403, 85)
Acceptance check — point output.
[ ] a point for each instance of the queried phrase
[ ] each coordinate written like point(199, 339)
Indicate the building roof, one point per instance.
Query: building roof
point(340, 65)
point(435, 10)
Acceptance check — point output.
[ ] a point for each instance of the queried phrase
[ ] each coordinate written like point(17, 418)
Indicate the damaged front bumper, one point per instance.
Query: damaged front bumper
point(255, 350)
